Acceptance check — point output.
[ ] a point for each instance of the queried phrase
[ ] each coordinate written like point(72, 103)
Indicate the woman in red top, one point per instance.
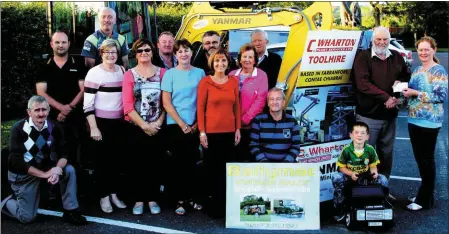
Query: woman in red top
point(219, 122)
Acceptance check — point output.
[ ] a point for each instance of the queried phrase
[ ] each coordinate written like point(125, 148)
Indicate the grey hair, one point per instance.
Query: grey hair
point(37, 99)
point(275, 89)
point(256, 31)
point(103, 9)
point(108, 43)
point(380, 29)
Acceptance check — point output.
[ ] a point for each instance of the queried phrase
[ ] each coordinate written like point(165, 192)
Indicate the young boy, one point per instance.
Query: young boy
point(355, 158)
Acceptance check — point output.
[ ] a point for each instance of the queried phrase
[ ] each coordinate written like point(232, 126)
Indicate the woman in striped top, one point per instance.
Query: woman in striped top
point(104, 111)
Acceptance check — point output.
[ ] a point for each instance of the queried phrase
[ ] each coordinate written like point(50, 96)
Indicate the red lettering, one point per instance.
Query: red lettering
point(310, 45)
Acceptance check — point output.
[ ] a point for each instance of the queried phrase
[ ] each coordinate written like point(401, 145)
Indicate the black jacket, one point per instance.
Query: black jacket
point(201, 62)
point(271, 65)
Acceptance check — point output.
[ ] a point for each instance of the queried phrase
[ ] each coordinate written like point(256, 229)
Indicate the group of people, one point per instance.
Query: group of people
point(376, 71)
point(158, 114)
point(164, 107)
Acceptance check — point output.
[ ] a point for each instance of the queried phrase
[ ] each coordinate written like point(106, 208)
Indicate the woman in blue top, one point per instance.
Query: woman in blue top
point(426, 93)
point(179, 94)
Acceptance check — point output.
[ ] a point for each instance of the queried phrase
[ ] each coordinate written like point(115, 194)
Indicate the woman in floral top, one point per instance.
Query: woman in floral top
point(143, 109)
point(426, 93)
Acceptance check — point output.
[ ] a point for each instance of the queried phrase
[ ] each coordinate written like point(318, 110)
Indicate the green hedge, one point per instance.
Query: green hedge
point(168, 17)
point(24, 41)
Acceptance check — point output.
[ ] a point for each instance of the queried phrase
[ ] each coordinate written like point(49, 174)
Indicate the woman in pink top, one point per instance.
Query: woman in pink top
point(143, 109)
point(253, 84)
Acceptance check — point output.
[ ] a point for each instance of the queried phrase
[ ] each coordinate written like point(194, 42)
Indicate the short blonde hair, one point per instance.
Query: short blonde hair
point(109, 43)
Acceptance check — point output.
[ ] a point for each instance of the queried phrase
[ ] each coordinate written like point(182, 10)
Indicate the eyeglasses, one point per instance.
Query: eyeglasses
point(142, 50)
point(110, 52)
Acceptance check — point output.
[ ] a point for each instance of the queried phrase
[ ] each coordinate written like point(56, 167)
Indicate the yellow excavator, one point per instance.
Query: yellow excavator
point(203, 17)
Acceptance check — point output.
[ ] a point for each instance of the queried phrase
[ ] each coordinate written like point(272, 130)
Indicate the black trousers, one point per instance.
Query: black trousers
point(423, 143)
point(110, 155)
point(146, 154)
point(220, 151)
point(183, 154)
point(74, 128)
point(243, 153)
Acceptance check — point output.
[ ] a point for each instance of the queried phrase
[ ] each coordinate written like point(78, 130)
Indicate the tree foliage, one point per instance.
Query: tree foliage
point(301, 5)
point(22, 48)
point(428, 18)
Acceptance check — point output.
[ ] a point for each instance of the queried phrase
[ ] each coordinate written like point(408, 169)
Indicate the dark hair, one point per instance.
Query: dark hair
point(243, 49)
point(220, 51)
point(60, 31)
point(181, 43)
point(210, 33)
point(433, 45)
point(142, 42)
point(360, 124)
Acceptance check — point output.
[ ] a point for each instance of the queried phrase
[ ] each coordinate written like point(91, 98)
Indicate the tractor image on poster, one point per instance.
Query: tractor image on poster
point(254, 210)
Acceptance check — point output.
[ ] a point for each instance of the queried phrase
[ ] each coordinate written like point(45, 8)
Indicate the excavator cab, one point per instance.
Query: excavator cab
point(224, 17)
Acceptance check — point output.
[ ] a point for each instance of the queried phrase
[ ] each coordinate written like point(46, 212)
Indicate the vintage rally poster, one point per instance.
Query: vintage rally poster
point(273, 196)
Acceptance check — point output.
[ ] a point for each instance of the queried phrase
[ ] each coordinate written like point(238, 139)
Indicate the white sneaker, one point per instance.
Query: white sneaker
point(138, 209)
point(414, 207)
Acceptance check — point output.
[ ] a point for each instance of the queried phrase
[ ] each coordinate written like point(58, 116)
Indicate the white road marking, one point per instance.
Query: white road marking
point(116, 223)
point(402, 138)
point(405, 178)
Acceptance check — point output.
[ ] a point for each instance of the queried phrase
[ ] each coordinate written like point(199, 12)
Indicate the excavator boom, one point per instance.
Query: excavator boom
point(202, 17)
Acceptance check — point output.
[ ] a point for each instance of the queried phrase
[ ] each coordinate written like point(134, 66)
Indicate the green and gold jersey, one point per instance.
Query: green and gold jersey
point(358, 162)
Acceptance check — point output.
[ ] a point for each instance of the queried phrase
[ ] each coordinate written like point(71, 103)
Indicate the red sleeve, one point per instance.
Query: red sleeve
point(163, 70)
point(237, 109)
point(201, 103)
point(128, 92)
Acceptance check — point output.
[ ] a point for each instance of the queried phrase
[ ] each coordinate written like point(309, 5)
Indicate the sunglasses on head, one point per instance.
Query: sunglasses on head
point(142, 50)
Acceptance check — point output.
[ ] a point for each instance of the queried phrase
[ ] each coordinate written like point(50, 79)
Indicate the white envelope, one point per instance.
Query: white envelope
point(400, 86)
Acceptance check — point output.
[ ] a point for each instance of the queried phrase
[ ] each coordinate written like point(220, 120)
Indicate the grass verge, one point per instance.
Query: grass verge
point(254, 218)
point(6, 130)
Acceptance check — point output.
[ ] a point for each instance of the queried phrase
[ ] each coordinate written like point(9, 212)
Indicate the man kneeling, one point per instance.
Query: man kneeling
point(355, 158)
point(37, 151)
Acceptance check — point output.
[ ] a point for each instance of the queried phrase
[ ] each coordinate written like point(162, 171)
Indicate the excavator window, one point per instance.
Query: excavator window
point(317, 19)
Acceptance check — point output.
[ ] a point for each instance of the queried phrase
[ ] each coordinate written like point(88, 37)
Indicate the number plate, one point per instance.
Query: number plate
point(374, 224)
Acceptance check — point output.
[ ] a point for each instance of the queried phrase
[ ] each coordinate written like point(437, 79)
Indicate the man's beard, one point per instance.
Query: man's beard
point(379, 50)
point(211, 50)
